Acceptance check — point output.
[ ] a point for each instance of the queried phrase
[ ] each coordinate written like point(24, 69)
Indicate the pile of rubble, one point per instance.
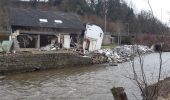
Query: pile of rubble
point(123, 53)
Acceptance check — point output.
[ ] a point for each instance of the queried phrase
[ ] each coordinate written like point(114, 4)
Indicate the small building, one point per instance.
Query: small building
point(108, 38)
point(33, 29)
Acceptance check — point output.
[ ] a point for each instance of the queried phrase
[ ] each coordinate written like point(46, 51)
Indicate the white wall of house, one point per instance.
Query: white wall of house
point(94, 34)
point(93, 44)
point(67, 41)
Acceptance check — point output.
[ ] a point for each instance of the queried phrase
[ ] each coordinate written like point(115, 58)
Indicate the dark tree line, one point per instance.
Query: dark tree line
point(117, 12)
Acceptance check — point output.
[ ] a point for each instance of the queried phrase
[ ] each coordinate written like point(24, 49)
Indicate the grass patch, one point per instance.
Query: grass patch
point(109, 46)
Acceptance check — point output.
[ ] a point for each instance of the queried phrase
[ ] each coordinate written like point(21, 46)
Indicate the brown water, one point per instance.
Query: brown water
point(79, 83)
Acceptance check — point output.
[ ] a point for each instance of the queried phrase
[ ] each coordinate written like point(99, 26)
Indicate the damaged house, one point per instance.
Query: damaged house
point(93, 37)
point(35, 29)
point(32, 29)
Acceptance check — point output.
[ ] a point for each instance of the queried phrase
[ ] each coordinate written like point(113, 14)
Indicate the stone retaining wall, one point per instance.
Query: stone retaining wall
point(16, 63)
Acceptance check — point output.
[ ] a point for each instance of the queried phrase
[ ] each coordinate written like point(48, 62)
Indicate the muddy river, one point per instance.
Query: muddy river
point(80, 83)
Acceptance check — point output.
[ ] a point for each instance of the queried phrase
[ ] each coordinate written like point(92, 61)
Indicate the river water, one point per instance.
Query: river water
point(81, 83)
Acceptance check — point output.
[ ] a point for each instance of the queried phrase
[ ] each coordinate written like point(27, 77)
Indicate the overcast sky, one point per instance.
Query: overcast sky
point(157, 5)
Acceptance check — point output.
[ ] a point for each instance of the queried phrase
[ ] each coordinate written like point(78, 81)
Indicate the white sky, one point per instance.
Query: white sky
point(156, 5)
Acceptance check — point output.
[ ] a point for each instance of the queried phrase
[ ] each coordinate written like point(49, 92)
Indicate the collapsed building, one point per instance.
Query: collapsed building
point(43, 35)
point(47, 30)
point(33, 29)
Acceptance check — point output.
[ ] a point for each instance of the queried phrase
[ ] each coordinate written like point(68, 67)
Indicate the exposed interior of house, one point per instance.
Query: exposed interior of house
point(31, 41)
point(45, 29)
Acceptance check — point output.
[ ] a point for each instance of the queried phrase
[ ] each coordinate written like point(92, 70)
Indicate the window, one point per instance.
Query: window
point(100, 34)
point(58, 21)
point(43, 20)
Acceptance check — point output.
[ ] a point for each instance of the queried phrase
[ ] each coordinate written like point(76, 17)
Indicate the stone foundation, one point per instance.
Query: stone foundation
point(17, 63)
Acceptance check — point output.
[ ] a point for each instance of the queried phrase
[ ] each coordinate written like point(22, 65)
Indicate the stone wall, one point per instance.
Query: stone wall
point(16, 63)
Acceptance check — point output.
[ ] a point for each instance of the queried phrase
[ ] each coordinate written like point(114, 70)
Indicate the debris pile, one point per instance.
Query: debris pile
point(98, 58)
point(49, 47)
point(123, 53)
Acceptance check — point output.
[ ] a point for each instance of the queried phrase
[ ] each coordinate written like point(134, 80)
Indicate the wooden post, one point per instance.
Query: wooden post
point(119, 93)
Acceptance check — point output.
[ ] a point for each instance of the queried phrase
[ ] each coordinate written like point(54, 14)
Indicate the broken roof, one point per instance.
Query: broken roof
point(44, 19)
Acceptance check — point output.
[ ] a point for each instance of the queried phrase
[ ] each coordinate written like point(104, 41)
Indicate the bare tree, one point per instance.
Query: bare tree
point(148, 93)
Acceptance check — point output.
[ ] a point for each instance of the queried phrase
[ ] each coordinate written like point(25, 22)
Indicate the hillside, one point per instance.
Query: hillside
point(119, 16)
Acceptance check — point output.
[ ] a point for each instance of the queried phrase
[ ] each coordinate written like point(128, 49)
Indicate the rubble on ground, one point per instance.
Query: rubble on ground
point(121, 53)
point(49, 47)
point(113, 56)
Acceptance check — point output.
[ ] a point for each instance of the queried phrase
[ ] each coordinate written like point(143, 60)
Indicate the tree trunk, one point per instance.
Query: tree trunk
point(119, 93)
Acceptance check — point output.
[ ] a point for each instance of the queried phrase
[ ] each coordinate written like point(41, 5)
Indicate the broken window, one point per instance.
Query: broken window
point(34, 41)
point(26, 41)
point(100, 34)
point(47, 39)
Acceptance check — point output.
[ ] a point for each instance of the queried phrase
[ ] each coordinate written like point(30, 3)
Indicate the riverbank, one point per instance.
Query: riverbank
point(28, 62)
point(163, 89)
point(41, 60)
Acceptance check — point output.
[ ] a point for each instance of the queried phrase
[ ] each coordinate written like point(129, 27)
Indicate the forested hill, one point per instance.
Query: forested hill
point(119, 16)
